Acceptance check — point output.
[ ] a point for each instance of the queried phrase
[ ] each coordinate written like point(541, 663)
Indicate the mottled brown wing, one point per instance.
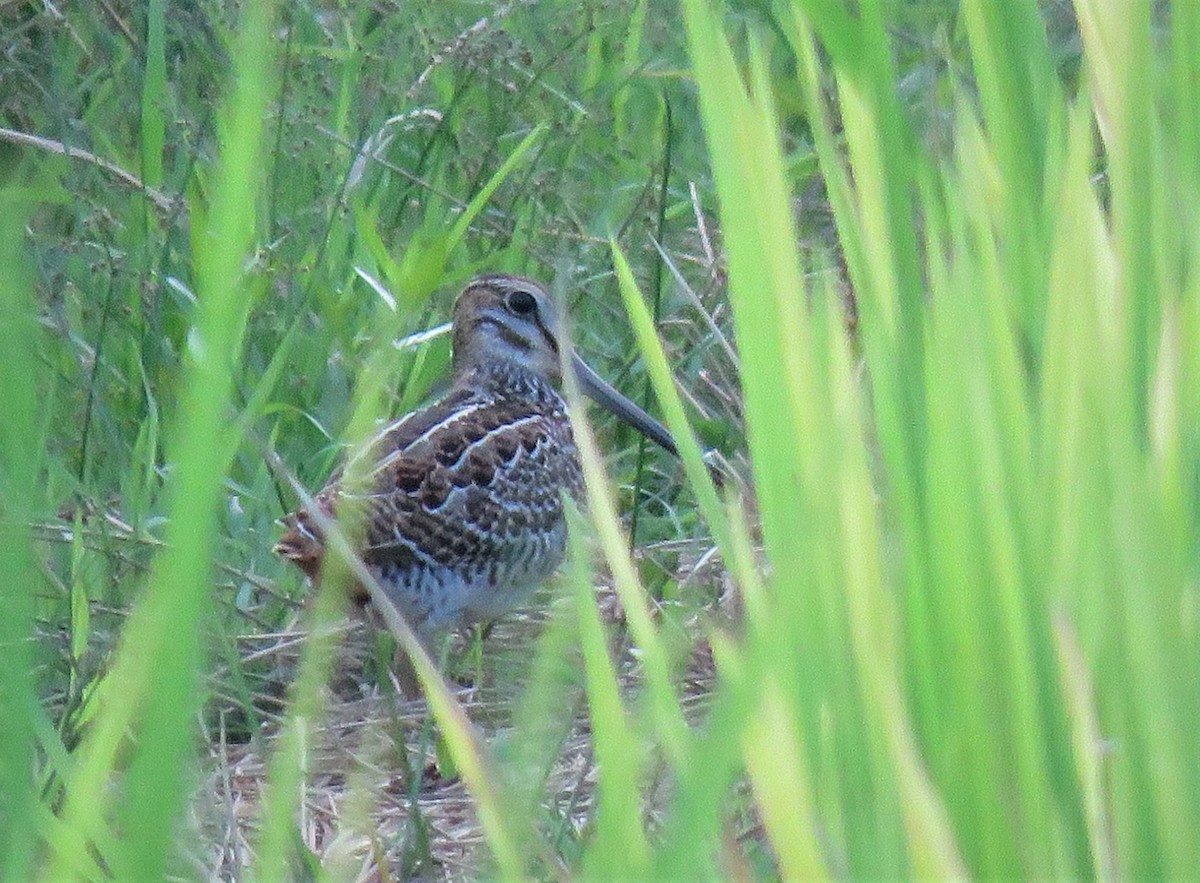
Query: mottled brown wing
point(467, 480)
point(303, 542)
point(475, 489)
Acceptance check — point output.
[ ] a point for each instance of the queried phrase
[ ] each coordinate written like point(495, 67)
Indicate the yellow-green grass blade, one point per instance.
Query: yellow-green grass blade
point(618, 848)
point(544, 717)
point(785, 380)
point(306, 707)
point(1020, 97)
point(1087, 741)
point(696, 815)
point(776, 764)
point(663, 703)
point(477, 203)
point(664, 388)
point(52, 830)
point(765, 282)
point(158, 660)
point(1118, 545)
point(1018, 88)
point(885, 167)
point(932, 845)
point(56, 772)
point(1120, 57)
point(903, 476)
point(1183, 135)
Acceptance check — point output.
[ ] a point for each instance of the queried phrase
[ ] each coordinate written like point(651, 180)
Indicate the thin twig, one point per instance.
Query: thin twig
point(121, 24)
point(163, 202)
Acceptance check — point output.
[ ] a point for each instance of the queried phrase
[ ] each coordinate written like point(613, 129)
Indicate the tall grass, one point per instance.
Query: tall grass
point(964, 550)
point(154, 678)
point(978, 661)
point(995, 649)
point(19, 467)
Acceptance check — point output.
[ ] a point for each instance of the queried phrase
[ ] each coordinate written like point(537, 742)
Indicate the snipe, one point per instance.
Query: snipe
point(462, 503)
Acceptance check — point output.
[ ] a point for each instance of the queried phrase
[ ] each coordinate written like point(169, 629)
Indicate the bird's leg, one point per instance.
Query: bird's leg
point(406, 675)
point(437, 647)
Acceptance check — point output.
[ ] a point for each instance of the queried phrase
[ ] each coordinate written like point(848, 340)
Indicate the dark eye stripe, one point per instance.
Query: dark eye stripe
point(508, 335)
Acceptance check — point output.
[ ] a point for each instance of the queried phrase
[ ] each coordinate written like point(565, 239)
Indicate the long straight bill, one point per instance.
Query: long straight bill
point(598, 389)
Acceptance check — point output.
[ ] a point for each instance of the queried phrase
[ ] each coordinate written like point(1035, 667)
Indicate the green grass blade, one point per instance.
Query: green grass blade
point(157, 666)
point(664, 388)
point(154, 94)
point(21, 502)
point(477, 203)
point(1120, 54)
point(662, 700)
point(775, 762)
point(618, 848)
point(1079, 690)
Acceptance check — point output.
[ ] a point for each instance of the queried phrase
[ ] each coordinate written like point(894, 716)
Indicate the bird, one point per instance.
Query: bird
point(461, 504)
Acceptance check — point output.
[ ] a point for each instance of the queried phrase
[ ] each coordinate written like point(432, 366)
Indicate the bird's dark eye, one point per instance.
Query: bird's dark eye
point(522, 303)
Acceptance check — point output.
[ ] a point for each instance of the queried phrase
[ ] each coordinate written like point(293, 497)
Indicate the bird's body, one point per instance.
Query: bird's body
point(460, 505)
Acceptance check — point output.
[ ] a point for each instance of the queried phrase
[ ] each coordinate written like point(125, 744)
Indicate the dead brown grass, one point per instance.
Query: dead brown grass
point(375, 804)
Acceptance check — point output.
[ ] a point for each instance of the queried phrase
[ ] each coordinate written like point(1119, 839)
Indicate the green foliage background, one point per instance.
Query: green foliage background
point(955, 247)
